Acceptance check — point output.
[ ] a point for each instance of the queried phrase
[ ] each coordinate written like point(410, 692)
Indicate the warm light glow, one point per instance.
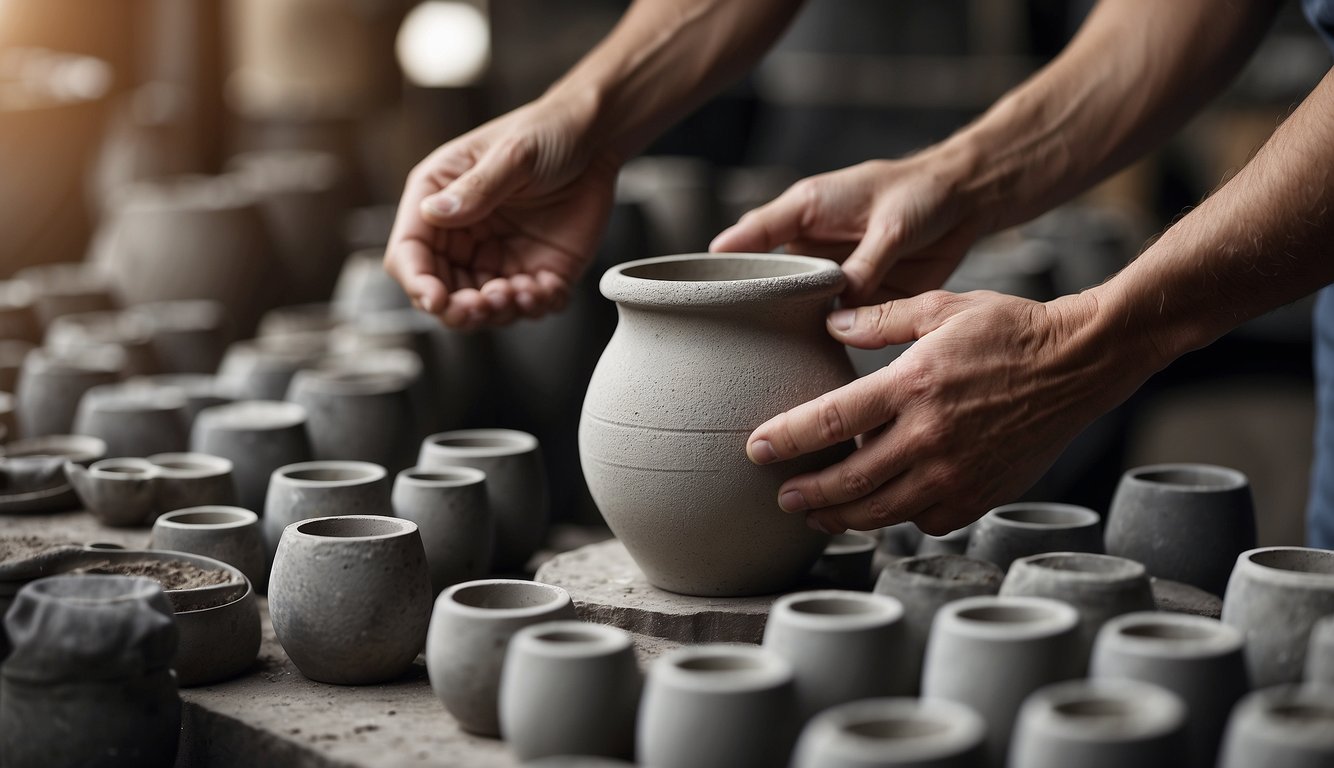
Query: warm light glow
point(444, 44)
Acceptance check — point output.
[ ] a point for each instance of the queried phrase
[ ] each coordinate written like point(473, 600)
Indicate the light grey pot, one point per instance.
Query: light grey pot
point(990, 653)
point(570, 688)
point(846, 562)
point(229, 534)
point(1008, 533)
point(120, 493)
point(450, 508)
point(1185, 522)
point(842, 646)
point(262, 369)
point(1197, 658)
point(258, 436)
point(471, 627)
point(1100, 724)
point(188, 336)
point(406, 365)
point(1100, 587)
point(662, 437)
point(893, 733)
point(1275, 596)
point(313, 489)
point(356, 415)
point(193, 480)
point(134, 421)
point(923, 585)
point(50, 387)
point(1286, 726)
point(715, 705)
point(219, 642)
point(1320, 654)
point(363, 285)
point(516, 485)
point(350, 598)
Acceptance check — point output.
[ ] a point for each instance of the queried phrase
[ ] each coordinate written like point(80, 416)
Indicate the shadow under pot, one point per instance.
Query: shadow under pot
point(1275, 597)
point(516, 486)
point(350, 598)
point(322, 489)
point(1008, 533)
point(471, 626)
point(50, 387)
point(1184, 522)
point(1287, 725)
point(229, 534)
point(258, 436)
point(450, 508)
point(1100, 724)
point(89, 681)
point(892, 733)
point(356, 415)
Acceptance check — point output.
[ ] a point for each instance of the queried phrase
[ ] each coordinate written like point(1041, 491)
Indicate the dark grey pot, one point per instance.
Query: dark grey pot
point(1008, 533)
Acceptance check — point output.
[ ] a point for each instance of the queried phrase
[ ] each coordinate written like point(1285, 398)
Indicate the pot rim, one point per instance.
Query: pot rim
point(1292, 577)
point(1123, 569)
point(511, 442)
point(401, 527)
point(757, 669)
point(1080, 516)
point(868, 610)
point(241, 517)
point(1229, 479)
point(1045, 617)
point(959, 727)
point(594, 640)
point(1272, 705)
point(850, 543)
point(208, 465)
point(448, 599)
point(461, 477)
point(1214, 639)
point(812, 278)
point(347, 380)
point(251, 416)
point(367, 473)
point(115, 469)
point(1145, 711)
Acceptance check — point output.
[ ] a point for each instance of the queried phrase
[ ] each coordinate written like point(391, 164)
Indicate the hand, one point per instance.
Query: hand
point(898, 226)
point(500, 222)
point(966, 419)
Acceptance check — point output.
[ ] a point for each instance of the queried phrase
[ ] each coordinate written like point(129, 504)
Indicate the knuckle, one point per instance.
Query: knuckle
point(830, 421)
point(879, 511)
point(854, 483)
point(519, 152)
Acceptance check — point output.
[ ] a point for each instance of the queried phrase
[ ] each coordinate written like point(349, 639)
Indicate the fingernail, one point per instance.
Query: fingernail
point(792, 501)
point(841, 320)
point(762, 452)
point(444, 205)
point(814, 524)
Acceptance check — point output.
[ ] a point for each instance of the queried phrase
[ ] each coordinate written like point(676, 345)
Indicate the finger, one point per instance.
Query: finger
point(528, 295)
point(860, 474)
point(893, 322)
point(868, 263)
point(498, 294)
point(828, 420)
point(503, 170)
point(462, 306)
point(557, 289)
point(409, 257)
point(899, 500)
point(767, 227)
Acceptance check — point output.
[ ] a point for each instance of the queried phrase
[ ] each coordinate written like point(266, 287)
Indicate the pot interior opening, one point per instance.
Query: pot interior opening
point(209, 518)
point(718, 269)
point(1191, 477)
point(1006, 614)
point(1045, 516)
point(1298, 560)
point(1154, 630)
point(1095, 707)
point(330, 474)
point(834, 606)
point(896, 728)
point(124, 470)
point(442, 475)
point(720, 663)
point(506, 596)
point(183, 466)
point(951, 568)
point(350, 527)
point(569, 637)
point(497, 441)
point(1305, 713)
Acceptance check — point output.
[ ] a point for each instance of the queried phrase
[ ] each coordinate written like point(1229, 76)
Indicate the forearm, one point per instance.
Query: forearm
point(663, 59)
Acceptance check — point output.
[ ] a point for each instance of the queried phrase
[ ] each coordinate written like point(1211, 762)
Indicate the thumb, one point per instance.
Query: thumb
point(895, 322)
point(471, 197)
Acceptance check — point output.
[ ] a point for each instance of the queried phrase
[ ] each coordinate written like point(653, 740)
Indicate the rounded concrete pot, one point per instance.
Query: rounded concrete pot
point(193, 480)
point(50, 387)
point(38, 474)
point(1197, 658)
point(1100, 724)
point(363, 286)
point(1320, 654)
point(729, 706)
point(135, 421)
point(471, 626)
point(404, 364)
point(892, 733)
point(258, 436)
point(350, 597)
point(846, 562)
point(357, 415)
point(990, 653)
point(120, 493)
point(323, 489)
point(842, 646)
point(200, 390)
point(1185, 522)
point(219, 625)
point(923, 585)
point(516, 485)
point(1274, 598)
point(1100, 587)
point(263, 369)
point(450, 509)
point(74, 334)
point(662, 439)
point(229, 534)
point(1286, 726)
point(1008, 533)
point(188, 336)
point(569, 688)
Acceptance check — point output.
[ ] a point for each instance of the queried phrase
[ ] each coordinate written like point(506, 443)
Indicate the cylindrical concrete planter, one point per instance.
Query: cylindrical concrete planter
point(1184, 522)
point(471, 626)
point(218, 642)
point(1197, 658)
point(723, 706)
point(1286, 726)
point(50, 387)
point(356, 415)
point(1100, 587)
point(516, 485)
point(449, 506)
point(990, 653)
point(323, 489)
point(188, 336)
point(193, 480)
point(846, 562)
point(893, 733)
point(350, 597)
point(1320, 654)
point(842, 646)
point(263, 369)
point(258, 436)
point(569, 688)
point(1008, 533)
point(925, 584)
point(120, 493)
point(1100, 724)
point(229, 534)
point(89, 681)
point(134, 421)
point(1275, 596)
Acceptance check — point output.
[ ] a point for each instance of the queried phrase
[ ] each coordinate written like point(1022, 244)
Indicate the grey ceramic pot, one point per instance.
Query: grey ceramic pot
point(449, 506)
point(569, 688)
point(1100, 724)
point(516, 485)
point(471, 626)
point(842, 646)
point(953, 543)
point(201, 390)
point(350, 597)
point(900, 539)
point(323, 489)
point(229, 534)
point(193, 480)
point(923, 585)
point(75, 334)
point(363, 285)
point(188, 336)
point(1197, 658)
point(258, 436)
point(1008, 533)
point(357, 415)
point(846, 562)
point(1286, 726)
point(1275, 596)
point(262, 369)
point(121, 493)
point(1100, 587)
point(729, 706)
point(990, 653)
point(1184, 522)
point(893, 733)
point(135, 421)
point(50, 387)
point(89, 682)
point(1320, 654)
point(218, 642)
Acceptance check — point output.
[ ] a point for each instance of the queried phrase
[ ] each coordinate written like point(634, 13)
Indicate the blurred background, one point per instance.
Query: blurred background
point(242, 151)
